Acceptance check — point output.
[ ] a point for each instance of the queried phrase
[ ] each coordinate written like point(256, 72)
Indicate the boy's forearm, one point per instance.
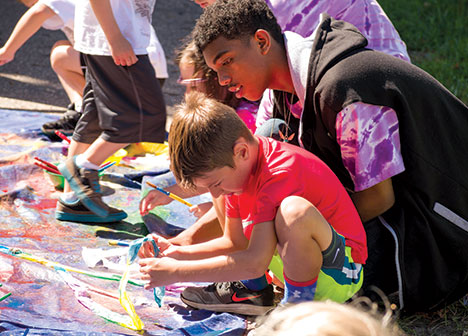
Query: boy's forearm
point(27, 26)
point(212, 248)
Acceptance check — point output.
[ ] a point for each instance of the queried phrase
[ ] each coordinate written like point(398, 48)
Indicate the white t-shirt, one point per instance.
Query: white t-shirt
point(132, 16)
point(65, 18)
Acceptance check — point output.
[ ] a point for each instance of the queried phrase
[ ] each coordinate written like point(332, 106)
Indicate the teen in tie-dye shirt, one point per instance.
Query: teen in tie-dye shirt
point(302, 17)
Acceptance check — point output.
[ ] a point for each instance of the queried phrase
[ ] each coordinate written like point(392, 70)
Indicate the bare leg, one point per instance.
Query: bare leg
point(302, 234)
point(65, 61)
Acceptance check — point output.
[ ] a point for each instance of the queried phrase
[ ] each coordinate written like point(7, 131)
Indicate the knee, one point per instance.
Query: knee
point(292, 215)
point(59, 55)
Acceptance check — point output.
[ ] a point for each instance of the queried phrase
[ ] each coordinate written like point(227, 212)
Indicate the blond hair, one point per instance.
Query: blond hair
point(202, 137)
point(191, 55)
point(327, 318)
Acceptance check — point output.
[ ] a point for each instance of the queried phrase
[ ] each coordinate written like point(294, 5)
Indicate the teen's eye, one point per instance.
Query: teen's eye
point(227, 61)
point(217, 184)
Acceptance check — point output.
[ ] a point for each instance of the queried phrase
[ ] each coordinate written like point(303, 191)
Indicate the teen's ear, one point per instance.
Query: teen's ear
point(263, 40)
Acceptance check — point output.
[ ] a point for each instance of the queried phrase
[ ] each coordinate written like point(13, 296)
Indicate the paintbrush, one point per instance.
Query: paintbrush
point(171, 195)
point(118, 243)
point(4, 296)
point(48, 168)
point(107, 165)
point(62, 136)
point(51, 165)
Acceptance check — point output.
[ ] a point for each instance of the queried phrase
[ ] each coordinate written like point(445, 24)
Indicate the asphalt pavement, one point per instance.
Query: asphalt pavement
point(29, 83)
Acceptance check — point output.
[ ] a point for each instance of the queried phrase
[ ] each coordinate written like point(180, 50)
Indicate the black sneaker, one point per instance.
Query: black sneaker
point(66, 124)
point(85, 183)
point(230, 297)
point(77, 212)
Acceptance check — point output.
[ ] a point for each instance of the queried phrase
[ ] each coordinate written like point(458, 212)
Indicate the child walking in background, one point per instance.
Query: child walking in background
point(64, 59)
point(122, 101)
point(278, 196)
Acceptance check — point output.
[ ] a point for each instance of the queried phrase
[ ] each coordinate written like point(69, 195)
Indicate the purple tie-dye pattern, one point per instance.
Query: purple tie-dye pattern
point(302, 17)
point(369, 139)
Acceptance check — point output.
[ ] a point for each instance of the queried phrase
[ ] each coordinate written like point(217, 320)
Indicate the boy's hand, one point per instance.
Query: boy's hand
point(152, 199)
point(122, 52)
point(166, 249)
point(5, 56)
point(157, 271)
point(199, 210)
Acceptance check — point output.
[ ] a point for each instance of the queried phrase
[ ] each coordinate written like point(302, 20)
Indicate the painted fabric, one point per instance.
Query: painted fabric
point(42, 301)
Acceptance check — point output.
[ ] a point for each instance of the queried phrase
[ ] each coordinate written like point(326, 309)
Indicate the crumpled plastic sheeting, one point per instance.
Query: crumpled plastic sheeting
point(41, 302)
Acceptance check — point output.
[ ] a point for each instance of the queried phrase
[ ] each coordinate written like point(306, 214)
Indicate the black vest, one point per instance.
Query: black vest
point(433, 126)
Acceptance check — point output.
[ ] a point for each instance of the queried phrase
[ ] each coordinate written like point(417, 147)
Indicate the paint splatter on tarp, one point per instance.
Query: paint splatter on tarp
point(41, 301)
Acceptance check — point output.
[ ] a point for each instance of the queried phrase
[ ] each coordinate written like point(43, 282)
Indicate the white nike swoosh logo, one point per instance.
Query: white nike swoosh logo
point(336, 254)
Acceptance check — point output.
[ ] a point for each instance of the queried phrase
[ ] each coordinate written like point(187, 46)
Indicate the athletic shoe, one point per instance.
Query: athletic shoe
point(85, 183)
point(230, 297)
point(77, 212)
point(66, 124)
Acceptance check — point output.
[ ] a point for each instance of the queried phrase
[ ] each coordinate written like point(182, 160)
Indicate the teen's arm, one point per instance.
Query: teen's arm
point(121, 49)
point(26, 27)
point(374, 201)
point(249, 263)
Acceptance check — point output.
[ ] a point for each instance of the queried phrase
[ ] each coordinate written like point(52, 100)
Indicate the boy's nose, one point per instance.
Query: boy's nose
point(215, 192)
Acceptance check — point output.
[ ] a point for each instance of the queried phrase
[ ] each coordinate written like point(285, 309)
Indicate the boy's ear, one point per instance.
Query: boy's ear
point(241, 149)
point(263, 40)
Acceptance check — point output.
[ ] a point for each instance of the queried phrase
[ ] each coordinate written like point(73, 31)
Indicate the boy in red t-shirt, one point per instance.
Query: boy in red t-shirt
point(278, 196)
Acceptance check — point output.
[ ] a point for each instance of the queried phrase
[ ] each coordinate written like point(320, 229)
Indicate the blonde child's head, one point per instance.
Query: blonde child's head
point(202, 137)
point(327, 319)
point(196, 75)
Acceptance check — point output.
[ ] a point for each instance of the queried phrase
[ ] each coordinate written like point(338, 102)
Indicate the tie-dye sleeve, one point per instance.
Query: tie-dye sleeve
point(369, 138)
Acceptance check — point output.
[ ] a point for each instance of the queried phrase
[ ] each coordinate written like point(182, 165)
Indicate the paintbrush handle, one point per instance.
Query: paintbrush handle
point(45, 167)
point(107, 165)
point(171, 195)
point(118, 243)
point(62, 136)
point(51, 165)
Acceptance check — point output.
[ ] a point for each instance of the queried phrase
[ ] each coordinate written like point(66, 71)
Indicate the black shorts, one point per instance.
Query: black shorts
point(121, 104)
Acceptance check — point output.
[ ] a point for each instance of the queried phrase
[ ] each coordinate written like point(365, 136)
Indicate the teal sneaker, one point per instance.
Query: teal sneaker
point(77, 212)
point(85, 183)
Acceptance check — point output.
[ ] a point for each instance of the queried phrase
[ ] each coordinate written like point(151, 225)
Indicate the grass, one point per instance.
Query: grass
point(435, 33)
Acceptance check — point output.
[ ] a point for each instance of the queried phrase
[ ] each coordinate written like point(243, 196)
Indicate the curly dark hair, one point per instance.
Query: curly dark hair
point(235, 19)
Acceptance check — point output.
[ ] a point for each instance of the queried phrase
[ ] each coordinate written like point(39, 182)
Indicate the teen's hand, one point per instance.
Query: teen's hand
point(199, 210)
point(152, 199)
point(5, 56)
point(157, 271)
point(122, 52)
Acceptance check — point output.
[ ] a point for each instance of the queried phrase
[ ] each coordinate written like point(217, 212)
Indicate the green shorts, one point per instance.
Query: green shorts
point(339, 278)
